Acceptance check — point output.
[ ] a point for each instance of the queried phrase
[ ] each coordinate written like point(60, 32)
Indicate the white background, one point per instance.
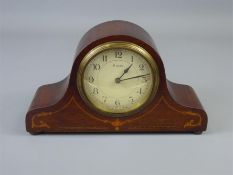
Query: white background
point(38, 41)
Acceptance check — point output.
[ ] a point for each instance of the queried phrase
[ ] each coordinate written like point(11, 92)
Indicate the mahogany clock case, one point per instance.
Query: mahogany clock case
point(59, 108)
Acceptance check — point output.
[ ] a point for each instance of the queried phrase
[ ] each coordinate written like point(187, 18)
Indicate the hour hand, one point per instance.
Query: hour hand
point(125, 71)
point(117, 80)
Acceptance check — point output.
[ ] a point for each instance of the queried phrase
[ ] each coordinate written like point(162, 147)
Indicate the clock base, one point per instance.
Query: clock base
point(54, 110)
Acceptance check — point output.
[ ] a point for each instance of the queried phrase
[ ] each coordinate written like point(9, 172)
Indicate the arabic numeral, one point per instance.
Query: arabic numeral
point(95, 91)
point(104, 98)
point(140, 91)
point(131, 99)
point(141, 67)
point(105, 58)
point(91, 79)
point(117, 103)
point(96, 66)
point(118, 54)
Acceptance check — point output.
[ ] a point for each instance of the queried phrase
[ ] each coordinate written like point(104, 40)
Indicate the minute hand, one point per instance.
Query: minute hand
point(135, 77)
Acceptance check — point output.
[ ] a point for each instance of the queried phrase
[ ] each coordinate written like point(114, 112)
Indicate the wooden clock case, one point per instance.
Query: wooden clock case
point(59, 108)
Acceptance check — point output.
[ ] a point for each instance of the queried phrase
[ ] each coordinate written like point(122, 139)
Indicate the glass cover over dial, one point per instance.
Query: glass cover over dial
point(119, 79)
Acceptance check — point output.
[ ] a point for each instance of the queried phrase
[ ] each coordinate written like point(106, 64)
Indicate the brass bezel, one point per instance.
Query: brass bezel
point(120, 45)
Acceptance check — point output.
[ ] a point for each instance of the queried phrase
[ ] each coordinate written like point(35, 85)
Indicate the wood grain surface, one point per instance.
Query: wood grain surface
point(58, 108)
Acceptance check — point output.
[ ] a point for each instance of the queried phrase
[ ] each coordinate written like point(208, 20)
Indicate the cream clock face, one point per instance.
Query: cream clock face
point(118, 80)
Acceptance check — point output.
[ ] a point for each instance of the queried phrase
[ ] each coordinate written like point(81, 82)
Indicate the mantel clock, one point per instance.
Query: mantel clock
point(117, 84)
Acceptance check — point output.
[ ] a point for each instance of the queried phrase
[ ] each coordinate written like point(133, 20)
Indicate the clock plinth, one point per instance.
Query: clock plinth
point(59, 107)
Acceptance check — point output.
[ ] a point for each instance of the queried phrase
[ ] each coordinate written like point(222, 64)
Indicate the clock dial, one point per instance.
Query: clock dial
point(118, 80)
